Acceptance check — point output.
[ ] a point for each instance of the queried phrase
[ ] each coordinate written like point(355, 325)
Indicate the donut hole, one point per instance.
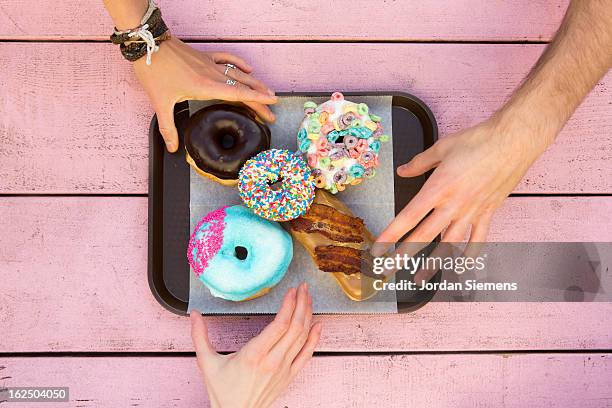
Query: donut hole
point(340, 139)
point(241, 252)
point(275, 185)
point(227, 140)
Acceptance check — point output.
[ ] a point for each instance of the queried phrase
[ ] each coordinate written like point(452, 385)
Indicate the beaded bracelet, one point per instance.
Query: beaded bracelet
point(144, 39)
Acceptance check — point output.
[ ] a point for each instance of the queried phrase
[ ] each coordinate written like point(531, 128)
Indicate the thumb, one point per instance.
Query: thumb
point(199, 336)
point(419, 164)
point(165, 120)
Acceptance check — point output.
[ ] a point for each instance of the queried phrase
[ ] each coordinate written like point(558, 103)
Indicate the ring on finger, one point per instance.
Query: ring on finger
point(230, 81)
point(228, 67)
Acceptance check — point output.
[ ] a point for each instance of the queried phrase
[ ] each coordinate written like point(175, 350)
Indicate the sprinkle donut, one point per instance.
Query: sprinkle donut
point(341, 140)
point(293, 192)
point(238, 255)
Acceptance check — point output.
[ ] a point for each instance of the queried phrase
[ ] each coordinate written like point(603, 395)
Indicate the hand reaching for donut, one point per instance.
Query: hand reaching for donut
point(258, 373)
point(180, 72)
point(475, 170)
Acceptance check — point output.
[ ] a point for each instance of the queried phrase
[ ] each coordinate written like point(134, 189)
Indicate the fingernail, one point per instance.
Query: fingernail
point(380, 248)
point(171, 146)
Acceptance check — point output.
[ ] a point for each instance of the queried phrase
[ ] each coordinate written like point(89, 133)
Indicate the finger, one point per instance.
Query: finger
point(424, 161)
point(165, 122)
point(296, 327)
point(480, 230)
point(456, 231)
point(262, 111)
point(307, 350)
point(419, 164)
point(425, 233)
point(240, 93)
point(407, 219)
point(429, 269)
point(431, 227)
point(199, 336)
point(478, 237)
point(297, 346)
point(227, 58)
point(246, 79)
point(273, 332)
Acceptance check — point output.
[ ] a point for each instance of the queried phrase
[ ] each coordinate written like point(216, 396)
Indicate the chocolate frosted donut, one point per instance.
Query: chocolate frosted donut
point(219, 139)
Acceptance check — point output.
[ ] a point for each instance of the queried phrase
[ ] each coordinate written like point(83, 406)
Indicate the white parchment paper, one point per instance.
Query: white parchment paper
point(372, 200)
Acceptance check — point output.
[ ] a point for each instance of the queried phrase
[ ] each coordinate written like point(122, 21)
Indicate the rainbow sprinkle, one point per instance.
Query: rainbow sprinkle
point(206, 240)
point(296, 190)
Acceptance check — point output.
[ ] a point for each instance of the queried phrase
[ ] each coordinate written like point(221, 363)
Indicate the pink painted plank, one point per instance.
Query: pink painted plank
point(294, 20)
point(73, 273)
point(75, 121)
point(511, 380)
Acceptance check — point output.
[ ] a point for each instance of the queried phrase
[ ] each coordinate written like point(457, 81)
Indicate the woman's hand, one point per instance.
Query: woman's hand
point(257, 374)
point(475, 170)
point(179, 72)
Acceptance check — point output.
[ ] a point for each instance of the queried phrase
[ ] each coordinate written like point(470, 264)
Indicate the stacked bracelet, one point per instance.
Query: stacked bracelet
point(144, 39)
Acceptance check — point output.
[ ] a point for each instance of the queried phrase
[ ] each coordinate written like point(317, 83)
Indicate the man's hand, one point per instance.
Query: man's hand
point(179, 73)
point(475, 170)
point(478, 168)
point(257, 374)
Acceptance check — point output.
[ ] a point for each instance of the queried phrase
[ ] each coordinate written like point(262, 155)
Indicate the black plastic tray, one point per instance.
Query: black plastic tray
point(414, 130)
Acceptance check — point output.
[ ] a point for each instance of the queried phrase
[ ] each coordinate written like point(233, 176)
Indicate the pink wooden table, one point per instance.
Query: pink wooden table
point(75, 308)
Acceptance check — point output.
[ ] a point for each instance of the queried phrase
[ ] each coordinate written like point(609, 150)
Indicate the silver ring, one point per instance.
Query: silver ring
point(228, 67)
point(230, 81)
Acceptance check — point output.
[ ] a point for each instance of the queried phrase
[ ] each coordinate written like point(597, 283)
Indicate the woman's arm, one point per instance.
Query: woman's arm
point(476, 169)
point(126, 14)
point(178, 73)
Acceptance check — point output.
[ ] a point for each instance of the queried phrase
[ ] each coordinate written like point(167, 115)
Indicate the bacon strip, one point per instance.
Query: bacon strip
point(331, 223)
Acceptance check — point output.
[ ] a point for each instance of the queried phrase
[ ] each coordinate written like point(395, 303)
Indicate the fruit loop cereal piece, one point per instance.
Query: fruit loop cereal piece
point(295, 191)
point(341, 141)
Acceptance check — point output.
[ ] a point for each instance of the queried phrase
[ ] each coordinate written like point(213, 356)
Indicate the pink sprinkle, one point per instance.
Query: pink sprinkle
point(210, 241)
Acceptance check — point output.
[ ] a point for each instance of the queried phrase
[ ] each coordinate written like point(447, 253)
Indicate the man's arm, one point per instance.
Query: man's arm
point(579, 55)
point(476, 169)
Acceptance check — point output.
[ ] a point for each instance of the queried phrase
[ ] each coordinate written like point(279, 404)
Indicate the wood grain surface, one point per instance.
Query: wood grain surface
point(75, 120)
point(265, 20)
point(73, 273)
point(523, 380)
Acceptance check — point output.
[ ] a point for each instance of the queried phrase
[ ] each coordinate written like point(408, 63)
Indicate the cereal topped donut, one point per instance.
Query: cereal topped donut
point(341, 140)
point(276, 185)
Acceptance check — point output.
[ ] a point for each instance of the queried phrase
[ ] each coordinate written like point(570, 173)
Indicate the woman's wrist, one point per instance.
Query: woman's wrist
point(126, 14)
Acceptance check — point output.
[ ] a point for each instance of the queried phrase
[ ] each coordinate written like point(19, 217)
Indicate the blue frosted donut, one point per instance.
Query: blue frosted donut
point(295, 190)
point(238, 255)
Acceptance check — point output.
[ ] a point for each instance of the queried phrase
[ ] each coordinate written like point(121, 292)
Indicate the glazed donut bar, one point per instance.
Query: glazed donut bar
point(338, 242)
